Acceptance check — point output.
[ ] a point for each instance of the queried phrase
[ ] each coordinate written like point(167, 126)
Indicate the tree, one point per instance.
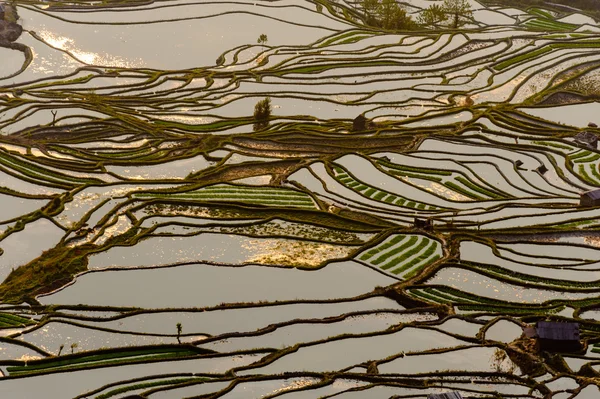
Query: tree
point(459, 12)
point(262, 113)
point(262, 39)
point(370, 8)
point(452, 14)
point(179, 329)
point(432, 16)
point(60, 349)
point(73, 346)
point(386, 14)
point(388, 11)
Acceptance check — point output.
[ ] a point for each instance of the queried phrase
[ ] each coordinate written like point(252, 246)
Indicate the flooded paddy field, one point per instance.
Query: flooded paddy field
point(298, 199)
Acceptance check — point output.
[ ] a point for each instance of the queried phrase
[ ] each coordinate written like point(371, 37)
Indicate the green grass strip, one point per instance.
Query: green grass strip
point(415, 176)
point(407, 255)
point(423, 259)
point(382, 247)
point(591, 158)
point(477, 188)
point(580, 154)
point(584, 174)
point(523, 57)
point(104, 358)
point(380, 195)
point(247, 196)
point(595, 172)
point(341, 37)
point(469, 297)
point(583, 44)
point(390, 199)
point(370, 192)
point(418, 269)
point(394, 251)
point(429, 297)
point(14, 320)
point(445, 295)
point(540, 12)
point(135, 387)
point(405, 168)
point(550, 25)
point(554, 145)
point(461, 190)
point(507, 310)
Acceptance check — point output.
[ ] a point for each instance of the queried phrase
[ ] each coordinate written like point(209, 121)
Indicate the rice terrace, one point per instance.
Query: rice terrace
point(296, 199)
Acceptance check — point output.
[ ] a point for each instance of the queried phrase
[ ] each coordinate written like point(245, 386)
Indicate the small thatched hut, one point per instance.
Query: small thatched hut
point(425, 224)
point(542, 169)
point(587, 139)
point(553, 336)
point(590, 198)
point(447, 395)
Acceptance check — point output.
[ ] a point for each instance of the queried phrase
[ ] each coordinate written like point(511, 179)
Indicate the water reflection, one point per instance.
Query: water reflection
point(68, 45)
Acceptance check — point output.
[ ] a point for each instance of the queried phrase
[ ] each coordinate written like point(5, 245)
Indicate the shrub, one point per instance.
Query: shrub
point(262, 113)
point(386, 14)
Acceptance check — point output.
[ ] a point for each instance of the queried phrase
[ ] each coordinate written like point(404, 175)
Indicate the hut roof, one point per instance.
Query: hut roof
point(586, 137)
point(447, 395)
point(594, 194)
point(558, 331)
point(530, 332)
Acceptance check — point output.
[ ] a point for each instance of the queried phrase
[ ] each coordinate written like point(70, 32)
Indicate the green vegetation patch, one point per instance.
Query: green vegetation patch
point(152, 384)
point(362, 188)
point(10, 320)
point(403, 255)
point(51, 270)
point(267, 196)
point(521, 58)
point(541, 13)
point(70, 363)
point(549, 25)
point(465, 301)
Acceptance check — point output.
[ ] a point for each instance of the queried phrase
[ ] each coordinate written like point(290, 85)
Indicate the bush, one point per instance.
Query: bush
point(387, 14)
point(262, 113)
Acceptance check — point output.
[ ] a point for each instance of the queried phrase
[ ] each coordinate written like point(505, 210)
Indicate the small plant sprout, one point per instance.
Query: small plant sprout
point(179, 329)
point(262, 39)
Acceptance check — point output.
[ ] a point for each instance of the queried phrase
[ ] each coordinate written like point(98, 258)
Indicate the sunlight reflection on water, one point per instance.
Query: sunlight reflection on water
point(67, 44)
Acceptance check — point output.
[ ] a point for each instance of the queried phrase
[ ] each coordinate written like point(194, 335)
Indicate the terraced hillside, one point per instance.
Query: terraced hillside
point(409, 199)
